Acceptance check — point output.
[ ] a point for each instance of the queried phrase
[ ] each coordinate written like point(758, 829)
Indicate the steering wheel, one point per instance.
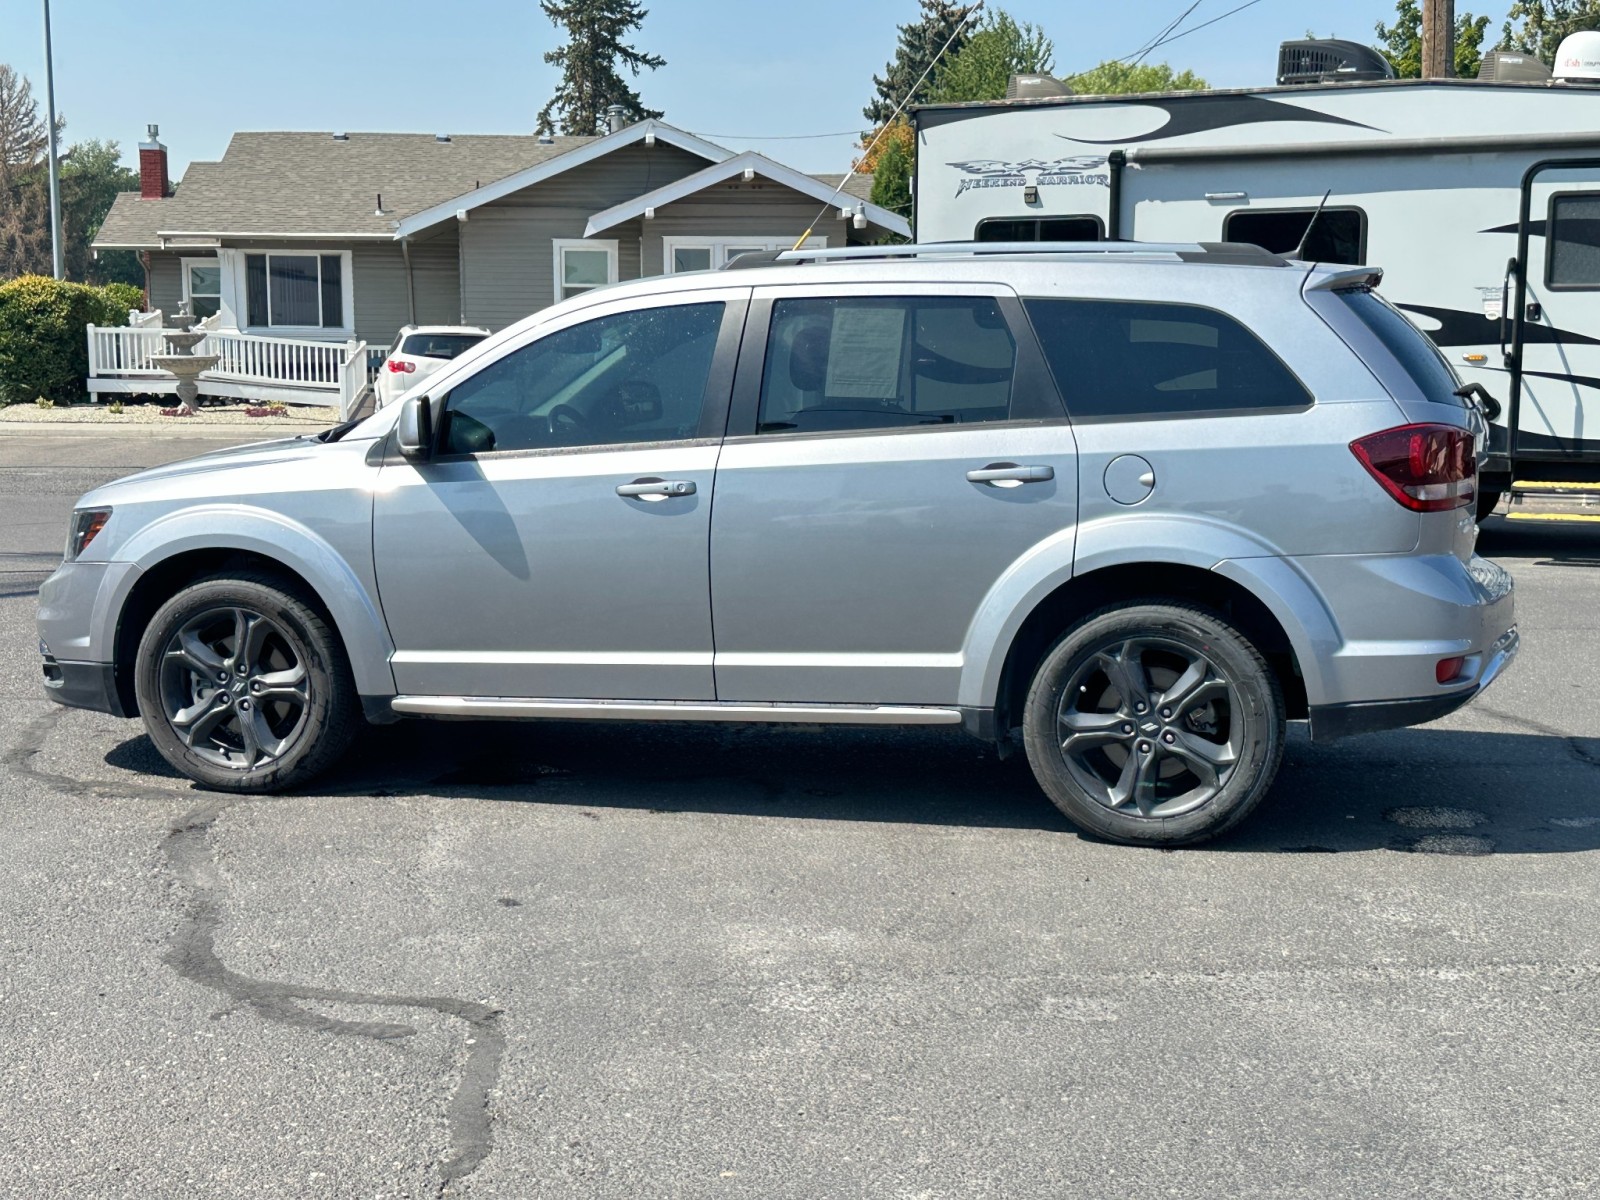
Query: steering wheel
point(566, 420)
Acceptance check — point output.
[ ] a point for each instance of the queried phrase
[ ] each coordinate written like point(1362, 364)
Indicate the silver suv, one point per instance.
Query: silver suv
point(1139, 504)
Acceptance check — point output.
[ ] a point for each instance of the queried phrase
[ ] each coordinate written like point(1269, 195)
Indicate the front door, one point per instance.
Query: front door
point(1558, 333)
point(891, 455)
point(556, 545)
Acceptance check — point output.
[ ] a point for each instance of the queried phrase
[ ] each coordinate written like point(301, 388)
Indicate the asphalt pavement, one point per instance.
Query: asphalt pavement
point(584, 960)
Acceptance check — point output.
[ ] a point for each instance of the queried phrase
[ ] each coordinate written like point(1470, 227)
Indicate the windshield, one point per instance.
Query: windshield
point(1412, 349)
point(440, 345)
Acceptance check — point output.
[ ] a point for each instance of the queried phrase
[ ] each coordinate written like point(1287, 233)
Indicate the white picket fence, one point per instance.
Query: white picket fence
point(249, 367)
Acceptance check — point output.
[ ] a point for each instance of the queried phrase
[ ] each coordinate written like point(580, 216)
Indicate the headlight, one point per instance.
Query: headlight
point(86, 524)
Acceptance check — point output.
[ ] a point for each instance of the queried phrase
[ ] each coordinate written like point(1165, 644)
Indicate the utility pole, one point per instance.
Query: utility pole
point(56, 256)
point(1438, 39)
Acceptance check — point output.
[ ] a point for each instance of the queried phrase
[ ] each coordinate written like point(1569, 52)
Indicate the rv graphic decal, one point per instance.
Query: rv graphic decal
point(1219, 112)
point(1083, 170)
point(1459, 328)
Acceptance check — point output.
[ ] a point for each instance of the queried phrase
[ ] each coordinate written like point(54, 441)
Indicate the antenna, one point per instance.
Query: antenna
point(1300, 250)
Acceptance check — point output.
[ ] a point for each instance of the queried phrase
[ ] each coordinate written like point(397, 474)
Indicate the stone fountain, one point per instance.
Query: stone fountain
point(183, 363)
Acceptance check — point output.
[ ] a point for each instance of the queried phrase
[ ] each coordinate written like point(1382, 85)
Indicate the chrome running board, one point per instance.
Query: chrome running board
point(673, 710)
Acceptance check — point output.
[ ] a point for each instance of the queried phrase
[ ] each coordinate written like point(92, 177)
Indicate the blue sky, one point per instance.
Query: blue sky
point(740, 69)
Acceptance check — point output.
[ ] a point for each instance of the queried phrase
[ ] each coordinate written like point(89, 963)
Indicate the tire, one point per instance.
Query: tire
point(1487, 503)
point(283, 719)
point(1136, 776)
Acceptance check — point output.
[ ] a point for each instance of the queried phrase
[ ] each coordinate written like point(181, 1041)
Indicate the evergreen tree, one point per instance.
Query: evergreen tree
point(1537, 26)
point(920, 41)
point(1402, 41)
point(590, 82)
point(998, 50)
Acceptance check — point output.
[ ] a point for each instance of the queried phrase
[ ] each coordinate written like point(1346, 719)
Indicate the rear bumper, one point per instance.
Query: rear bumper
point(1329, 722)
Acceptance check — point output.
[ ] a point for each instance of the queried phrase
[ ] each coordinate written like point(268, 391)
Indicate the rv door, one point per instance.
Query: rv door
point(1554, 317)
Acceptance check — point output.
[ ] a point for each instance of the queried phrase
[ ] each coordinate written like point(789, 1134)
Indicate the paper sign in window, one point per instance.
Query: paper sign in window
point(864, 353)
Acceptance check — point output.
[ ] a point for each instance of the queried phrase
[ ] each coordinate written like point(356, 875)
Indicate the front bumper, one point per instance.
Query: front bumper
point(83, 685)
point(1330, 722)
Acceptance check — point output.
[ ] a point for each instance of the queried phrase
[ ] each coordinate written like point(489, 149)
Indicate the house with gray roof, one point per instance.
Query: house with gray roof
point(342, 238)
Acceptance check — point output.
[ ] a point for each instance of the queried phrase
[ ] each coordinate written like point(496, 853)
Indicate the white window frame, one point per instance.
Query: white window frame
point(719, 246)
point(346, 288)
point(559, 248)
point(208, 261)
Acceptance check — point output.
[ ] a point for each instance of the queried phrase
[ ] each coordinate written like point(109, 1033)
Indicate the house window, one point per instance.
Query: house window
point(297, 291)
point(583, 265)
point(681, 254)
point(202, 286)
point(1339, 235)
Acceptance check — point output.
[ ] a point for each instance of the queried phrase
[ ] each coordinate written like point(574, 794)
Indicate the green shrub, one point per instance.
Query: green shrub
point(123, 296)
point(43, 349)
point(115, 408)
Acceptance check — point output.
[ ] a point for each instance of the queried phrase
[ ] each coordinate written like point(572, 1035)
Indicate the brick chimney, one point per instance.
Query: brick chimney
point(153, 181)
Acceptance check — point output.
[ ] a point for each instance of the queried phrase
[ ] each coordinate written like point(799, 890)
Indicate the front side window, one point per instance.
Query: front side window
point(886, 362)
point(1574, 241)
point(303, 291)
point(583, 266)
point(1115, 359)
point(1338, 236)
point(202, 286)
point(632, 377)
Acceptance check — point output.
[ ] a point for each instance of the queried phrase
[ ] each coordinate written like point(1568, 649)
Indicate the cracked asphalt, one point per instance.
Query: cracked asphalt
point(587, 960)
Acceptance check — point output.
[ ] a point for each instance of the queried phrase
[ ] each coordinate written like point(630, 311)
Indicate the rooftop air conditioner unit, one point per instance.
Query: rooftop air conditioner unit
point(1504, 66)
point(1578, 58)
point(1329, 60)
point(1035, 87)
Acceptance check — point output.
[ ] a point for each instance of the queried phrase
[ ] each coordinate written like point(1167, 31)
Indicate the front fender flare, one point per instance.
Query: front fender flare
point(274, 536)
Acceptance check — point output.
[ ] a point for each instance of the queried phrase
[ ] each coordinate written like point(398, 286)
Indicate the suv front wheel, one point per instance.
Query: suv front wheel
point(1154, 724)
point(243, 686)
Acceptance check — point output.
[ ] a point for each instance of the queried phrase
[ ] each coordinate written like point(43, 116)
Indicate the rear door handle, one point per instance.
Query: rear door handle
point(1011, 473)
point(656, 489)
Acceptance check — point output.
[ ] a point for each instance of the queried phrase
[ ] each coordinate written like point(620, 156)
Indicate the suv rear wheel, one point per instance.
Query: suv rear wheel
point(243, 686)
point(1154, 724)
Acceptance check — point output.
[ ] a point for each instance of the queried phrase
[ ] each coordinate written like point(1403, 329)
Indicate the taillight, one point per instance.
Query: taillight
point(400, 367)
point(1427, 468)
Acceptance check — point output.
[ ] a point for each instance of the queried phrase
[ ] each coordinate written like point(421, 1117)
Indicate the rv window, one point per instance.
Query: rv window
point(1117, 359)
point(1416, 353)
point(1340, 234)
point(1574, 241)
point(1041, 229)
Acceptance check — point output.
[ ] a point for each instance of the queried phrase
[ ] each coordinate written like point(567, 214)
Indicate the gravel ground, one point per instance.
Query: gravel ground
point(296, 417)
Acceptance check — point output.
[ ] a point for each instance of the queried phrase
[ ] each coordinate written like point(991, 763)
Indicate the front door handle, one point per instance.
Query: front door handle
point(1002, 473)
point(656, 489)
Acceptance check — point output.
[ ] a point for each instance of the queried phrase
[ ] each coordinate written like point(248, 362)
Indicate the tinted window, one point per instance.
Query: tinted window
point(1115, 358)
point(633, 377)
point(1574, 241)
point(882, 362)
point(1339, 236)
point(1041, 229)
point(1415, 352)
point(439, 345)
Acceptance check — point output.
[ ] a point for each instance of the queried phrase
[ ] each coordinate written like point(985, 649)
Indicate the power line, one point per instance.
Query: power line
point(1138, 55)
point(1213, 21)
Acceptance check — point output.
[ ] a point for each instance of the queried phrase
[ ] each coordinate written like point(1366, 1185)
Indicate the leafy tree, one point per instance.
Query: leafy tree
point(1117, 78)
point(998, 50)
point(920, 41)
point(24, 207)
point(590, 82)
point(874, 147)
point(91, 176)
point(1402, 41)
point(891, 182)
point(1537, 26)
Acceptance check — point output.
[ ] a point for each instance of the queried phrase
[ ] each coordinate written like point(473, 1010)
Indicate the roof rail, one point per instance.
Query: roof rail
point(1238, 253)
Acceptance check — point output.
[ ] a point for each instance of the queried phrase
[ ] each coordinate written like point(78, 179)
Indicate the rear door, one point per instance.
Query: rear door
point(1557, 328)
point(892, 452)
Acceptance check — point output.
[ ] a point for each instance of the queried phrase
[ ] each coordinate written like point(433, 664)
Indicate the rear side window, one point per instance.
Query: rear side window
point(1115, 359)
point(882, 362)
point(1412, 349)
point(439, 345)
point(1574, 241)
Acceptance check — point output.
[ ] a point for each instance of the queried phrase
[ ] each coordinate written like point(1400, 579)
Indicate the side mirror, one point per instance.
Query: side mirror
point(414, 431)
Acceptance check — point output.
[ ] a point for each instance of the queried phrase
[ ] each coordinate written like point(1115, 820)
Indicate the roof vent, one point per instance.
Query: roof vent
point(1035, 87)
point(341, 137)
point(545, 139)
point(1578, 59)
point(1330, 60)
point(441, 137)
point(1503, 66)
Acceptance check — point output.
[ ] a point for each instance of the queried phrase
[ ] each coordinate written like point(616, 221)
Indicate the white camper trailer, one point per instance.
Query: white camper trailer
point(1479, 200)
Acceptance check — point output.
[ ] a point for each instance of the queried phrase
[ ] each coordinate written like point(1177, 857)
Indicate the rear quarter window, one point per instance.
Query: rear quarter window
point(1116, 359)
point(1411, 348)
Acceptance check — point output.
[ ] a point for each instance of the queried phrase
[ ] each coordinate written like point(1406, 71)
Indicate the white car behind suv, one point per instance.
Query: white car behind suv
point(419, 351)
